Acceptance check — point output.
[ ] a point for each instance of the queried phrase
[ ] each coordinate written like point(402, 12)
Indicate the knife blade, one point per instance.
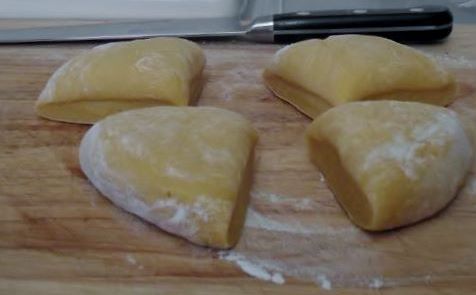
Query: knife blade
point(415, 24)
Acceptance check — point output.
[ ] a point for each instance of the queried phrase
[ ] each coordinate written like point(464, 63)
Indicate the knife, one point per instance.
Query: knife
point(415, 24)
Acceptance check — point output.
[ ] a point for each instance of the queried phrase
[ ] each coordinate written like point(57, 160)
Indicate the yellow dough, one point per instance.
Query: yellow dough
point(390, 163)
point(119, 76)
point(187, 170)
point(315, 75)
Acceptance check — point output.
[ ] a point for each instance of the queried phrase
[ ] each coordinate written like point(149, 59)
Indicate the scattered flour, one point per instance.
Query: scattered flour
point(273, 198)
point(130, 144)
point(455, 62)
point(297, 260)
point(305, 203)
point(324, 282)
point(256, 220)
point(152, 63)
point(470, 187)
point(274, 248)
point(321, 178)
point(376, 283)
point(252, 268)
point(175, 172)
point(131, 259)
point(244, 79)
point(179, 215)
point(468, 4)
point(183, 217)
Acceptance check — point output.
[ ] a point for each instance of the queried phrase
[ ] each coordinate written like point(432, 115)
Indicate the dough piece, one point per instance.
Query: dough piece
point(390, 163)
point(185, 169)
point(315, 75)
point(119, 76)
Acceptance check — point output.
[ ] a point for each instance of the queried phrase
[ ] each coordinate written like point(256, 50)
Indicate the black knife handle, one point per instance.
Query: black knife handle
point(417, 24)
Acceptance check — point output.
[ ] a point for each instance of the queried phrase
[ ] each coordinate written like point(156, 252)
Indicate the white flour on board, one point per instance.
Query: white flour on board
point(260, 227)
point(256, 220)
point(131, 259)
point(321, 178)
point(468, 4)
point(470, 187)
point(234, 80)
point(376, 283)
point(294, 203)
point(240, 79)
point(324, 282)
point(274, 250)
point(450, 61)
point(254, 269)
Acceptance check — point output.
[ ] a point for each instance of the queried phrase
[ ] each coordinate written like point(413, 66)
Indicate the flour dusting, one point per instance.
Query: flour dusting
point(321, 178)
point(240, 81)
point(174, 216)
point(312, 249)
point(257, 220)
point(151, 63)
point(252, 268)
point(294, 241)
point(167, 212)
point(453, 62)
point(405, 147)
point(176, 172)
point(468, 4)
point(376, 283)
point(324, 282)
point(470, 187)
point(305, 203)
point(131, 259)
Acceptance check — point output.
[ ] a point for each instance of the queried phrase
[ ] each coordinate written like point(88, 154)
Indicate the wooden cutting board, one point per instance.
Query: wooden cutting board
point(58, 235)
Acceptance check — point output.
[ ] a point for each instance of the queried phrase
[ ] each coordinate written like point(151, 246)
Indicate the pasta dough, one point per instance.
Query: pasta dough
point(315, 75)
point(187, 170)
point(118, 76)
point(390, 163)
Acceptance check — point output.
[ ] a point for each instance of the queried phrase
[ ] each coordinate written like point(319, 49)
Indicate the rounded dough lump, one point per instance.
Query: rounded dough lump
point(315, 75)
point(187, 170)
point(119, 76)
point(390, 163)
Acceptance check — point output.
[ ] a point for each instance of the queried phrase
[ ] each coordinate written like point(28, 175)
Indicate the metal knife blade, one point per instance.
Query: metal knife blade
point(216, 27)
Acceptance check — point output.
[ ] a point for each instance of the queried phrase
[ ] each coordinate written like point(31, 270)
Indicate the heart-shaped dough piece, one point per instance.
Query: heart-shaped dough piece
point(390, 163)
point(125, 75)
point(187, 170)
point(315, 75)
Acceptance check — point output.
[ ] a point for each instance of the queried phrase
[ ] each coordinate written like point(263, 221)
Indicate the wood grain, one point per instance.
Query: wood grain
point(58, 235)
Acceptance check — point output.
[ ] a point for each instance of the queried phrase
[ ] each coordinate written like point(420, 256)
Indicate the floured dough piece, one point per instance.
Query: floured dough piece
point(315, 75)
point(119, 76)
point(390, 163)
point(185, 169)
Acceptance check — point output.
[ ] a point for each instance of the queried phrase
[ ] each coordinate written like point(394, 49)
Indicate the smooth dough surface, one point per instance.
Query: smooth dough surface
point(119, 76)
point(315, 75)
point(390, 163)
point(187, 170)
